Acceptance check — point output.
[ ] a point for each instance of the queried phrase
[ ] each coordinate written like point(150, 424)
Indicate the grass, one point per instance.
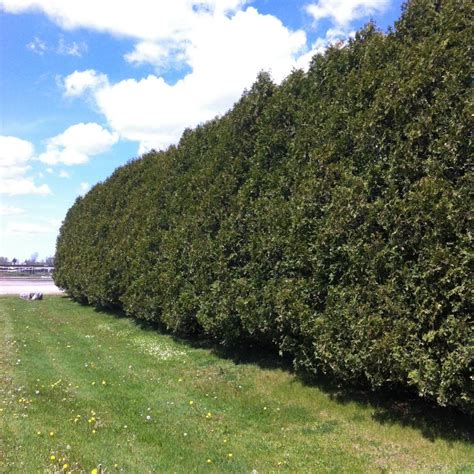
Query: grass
point(92, 390)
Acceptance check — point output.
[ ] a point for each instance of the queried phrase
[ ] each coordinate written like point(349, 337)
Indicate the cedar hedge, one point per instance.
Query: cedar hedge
point(329, 216)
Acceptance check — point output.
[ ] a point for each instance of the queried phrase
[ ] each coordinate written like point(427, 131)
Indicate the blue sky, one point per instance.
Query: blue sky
point(85, 86)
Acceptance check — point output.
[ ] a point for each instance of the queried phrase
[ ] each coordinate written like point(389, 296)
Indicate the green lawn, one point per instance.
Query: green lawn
point(92, 390)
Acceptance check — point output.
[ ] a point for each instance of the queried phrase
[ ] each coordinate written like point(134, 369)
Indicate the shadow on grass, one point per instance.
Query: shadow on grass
point(399, 406)
point(389, 407)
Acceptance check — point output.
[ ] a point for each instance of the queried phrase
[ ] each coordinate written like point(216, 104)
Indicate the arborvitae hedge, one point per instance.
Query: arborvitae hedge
point(328, 216)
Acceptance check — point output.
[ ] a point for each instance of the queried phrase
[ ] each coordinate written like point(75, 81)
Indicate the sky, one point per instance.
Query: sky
point(86, 85)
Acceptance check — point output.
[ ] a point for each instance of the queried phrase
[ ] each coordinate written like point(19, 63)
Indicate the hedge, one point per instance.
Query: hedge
point(328, 216)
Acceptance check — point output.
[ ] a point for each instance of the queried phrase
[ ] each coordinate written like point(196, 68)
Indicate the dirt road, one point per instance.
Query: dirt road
point(15, 286)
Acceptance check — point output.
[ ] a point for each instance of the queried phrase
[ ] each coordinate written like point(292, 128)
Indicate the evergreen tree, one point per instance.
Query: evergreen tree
point(329, 216)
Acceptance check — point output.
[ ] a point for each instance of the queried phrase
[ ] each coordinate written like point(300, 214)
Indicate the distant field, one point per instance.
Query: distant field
point(83, 390)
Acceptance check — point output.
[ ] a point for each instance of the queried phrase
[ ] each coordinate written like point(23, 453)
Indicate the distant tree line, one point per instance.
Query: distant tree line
point(329, 216)
point(33, 260)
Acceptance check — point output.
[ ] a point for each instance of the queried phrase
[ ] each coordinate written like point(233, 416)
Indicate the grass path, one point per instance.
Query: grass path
point(83, 390)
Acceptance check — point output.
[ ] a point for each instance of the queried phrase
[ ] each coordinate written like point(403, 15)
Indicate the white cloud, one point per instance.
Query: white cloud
point(22, 228)
point(70, 49)
point(77, 143)
point(155, 113)
point(12, 171)
point(15, 154)
point(343, 12)
point(145, 51)
point(87, 138)
point(10, 210)
point(14, 151)
point(224, 43)
point(66, 156)
point(22, 185)
point(83, 188)
point(139, 19)
point(163, 55)
point(64, 174)
point(64, 48)
point(37, 46)
point(78, 83)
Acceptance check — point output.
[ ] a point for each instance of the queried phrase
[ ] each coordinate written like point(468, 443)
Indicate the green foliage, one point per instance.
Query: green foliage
point(328, 216)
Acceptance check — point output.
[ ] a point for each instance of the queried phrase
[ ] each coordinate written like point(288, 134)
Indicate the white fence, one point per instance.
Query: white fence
point(33, 269)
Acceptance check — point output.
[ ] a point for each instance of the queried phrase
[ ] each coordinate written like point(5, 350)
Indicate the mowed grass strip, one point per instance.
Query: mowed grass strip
point(83, 390)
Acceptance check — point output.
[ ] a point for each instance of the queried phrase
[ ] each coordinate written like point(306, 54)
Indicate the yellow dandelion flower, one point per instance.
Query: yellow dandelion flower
point(94, 471)
point(230, 455)
point(209, 461)
point(38, 433)
point(51, 433)
point(65, 466)
point(103, 382)
point(225, 440)
point(93, 432)
point(191, 402)
point(52, 457)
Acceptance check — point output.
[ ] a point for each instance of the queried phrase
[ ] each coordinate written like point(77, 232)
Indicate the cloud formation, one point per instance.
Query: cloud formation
point(36, 45)
point(343, 12)
point(83, 188)
point(341, 15)
point(137, 19)
point(22, 228)
point(15, 154)
point(223, 43)
point(6, 210)
point(71, 49)
point(77, 143)
point(225, 54)
point(162, 55)
point(79, 82)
